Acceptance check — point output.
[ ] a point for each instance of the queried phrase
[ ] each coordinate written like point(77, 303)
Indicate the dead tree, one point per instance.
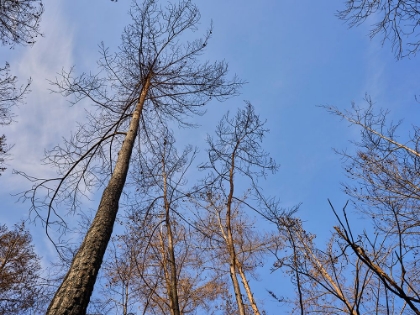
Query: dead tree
point(161, 175)
point(10, 96)
point(235, 154)
point(369, 271)
point(384, 174)
point(19, 21)
point(158, 263)
point(151, 79)
point(19, 24)
point(333, 280)
point(184, 286)
point(395, 20)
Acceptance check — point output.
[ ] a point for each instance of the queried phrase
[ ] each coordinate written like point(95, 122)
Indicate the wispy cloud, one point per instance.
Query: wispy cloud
point(45, 117)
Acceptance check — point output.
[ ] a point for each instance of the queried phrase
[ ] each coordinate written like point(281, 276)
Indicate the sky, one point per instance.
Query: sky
point(294, 56)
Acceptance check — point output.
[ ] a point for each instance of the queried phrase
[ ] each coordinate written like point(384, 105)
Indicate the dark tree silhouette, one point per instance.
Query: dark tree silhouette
point(396, 20)
point(19, 21)
point(9, 97)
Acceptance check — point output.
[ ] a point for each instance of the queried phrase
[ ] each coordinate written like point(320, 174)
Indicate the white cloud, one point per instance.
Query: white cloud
point(45, 116)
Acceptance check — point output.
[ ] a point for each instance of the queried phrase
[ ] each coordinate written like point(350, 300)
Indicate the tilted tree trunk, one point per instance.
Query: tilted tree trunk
point(248, 290)
point(232, 272)
point(72, 297)
point(298, 236)
point(339, 293)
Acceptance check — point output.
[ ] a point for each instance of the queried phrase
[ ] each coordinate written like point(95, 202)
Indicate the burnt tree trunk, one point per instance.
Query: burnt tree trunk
point(72, 297)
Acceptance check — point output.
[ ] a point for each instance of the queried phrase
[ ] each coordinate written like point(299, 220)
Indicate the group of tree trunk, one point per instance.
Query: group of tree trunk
point(188, 247)
point(374, 270)
point(183, 246)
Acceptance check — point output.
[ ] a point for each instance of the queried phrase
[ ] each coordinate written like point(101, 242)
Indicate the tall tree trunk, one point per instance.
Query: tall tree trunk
point(125, 299)
point(229, 238)
point(232, 271)
point(320, 268)
point(171, 251)
point(167, 272)
point(72, 297)
point(248, 290)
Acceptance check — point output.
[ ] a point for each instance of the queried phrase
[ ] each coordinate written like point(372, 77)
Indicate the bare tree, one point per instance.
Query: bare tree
point(152, 77)
point(371, 271)
point(396, 20)
point(161, 171)
point(9, 96)
point(334, 280)
point(251, 249)
point(158, 260)
point(188, 287)
point(19, 21)
point(385, 187)
point(19, 24)
point(20, 279)
point(137, 276)
point(236, 154)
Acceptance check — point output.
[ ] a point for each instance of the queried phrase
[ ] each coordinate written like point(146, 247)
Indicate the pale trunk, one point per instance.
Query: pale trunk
point(72, 297)
point(166, 272)
point(232, 272)
point(320, 268)
point(125, 299)
point(230, 242)
point(248, 291)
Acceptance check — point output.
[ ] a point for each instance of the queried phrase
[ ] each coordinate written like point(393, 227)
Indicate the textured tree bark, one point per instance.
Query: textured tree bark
point(72, 297)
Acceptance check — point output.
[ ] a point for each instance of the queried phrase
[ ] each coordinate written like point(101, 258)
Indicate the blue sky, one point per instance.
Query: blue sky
point(294, 56)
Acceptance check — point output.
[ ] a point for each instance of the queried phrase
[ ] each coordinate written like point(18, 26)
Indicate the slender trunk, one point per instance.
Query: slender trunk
point(248, 290)
point(125, 299)
point(163, 252)
point(72, 297)
point(229, 239)
point(232, 272)
point(171, 251)
point(386, 279)
point(320, 268)
point(298, 279)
